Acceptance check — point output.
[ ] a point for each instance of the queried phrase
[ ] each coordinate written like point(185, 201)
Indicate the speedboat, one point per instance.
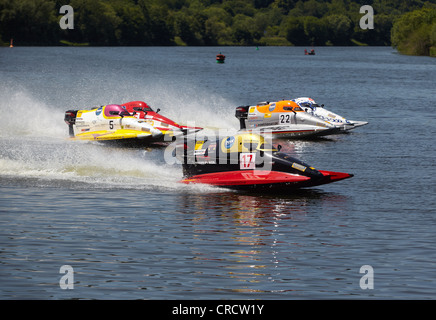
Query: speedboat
point(247, 161)
point(283, 119)
point(133, 123)
point(309, 53)
point(311, 107)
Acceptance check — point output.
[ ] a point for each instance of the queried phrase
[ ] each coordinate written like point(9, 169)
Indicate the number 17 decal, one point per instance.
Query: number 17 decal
point(247, 161)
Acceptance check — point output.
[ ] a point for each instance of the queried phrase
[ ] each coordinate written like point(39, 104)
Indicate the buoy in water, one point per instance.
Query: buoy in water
point(220, 58)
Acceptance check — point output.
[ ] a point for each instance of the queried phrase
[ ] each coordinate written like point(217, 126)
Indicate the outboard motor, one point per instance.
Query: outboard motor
point(242, 114)
point(70, 120)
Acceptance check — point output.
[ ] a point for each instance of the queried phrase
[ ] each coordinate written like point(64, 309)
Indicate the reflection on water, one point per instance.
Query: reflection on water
point(254, 209)
point(255, 240)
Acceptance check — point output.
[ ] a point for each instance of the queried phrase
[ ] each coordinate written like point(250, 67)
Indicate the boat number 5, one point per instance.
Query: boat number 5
point(111, 124)
point(247, 161)
point(285, 118)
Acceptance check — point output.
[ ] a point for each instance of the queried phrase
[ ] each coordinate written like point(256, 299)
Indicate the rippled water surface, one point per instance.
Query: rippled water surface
point(130, 230)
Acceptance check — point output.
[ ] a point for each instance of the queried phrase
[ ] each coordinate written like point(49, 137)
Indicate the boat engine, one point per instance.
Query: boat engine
point(70, 120)
point(242, 114)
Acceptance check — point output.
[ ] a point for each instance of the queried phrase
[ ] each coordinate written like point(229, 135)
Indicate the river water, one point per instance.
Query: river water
point(129, 230)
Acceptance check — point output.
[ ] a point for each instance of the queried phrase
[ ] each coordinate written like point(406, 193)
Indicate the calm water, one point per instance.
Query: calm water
point(129, 230)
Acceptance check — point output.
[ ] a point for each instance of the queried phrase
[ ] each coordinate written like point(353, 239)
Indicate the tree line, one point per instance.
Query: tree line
point(204, 22)
point(414, 33)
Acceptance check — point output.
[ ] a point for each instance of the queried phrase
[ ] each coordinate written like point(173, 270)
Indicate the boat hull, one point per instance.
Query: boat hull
point(295, 132)
point(275, 181)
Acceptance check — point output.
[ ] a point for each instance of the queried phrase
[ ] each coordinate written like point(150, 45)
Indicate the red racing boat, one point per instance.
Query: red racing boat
point(247, 162)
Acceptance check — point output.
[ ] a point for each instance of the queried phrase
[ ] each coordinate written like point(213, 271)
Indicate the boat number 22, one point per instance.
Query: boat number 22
point(285, 118)
point(247, 161)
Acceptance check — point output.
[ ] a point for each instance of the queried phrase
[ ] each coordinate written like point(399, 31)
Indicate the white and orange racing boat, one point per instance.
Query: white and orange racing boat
point(283, 119)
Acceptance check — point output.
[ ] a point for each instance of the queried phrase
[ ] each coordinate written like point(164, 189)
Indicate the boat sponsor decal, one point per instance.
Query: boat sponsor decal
point(331, 118)
point(286, 128)
point(229, 142)
point(98, 111)
point(198, 144)
point(247, 161)
point(200, 152)
point(271, 107)
point(299, 167)
point(266, 124)
point(205, 161)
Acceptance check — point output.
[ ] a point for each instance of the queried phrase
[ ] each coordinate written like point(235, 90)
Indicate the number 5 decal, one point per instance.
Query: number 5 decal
point(247, 161)
point(111, 124)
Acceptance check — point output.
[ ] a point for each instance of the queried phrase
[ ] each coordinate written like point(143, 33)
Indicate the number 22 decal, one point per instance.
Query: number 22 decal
point(285, 118)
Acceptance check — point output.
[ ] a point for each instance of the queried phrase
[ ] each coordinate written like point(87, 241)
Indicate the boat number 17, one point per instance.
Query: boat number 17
point(247, 161)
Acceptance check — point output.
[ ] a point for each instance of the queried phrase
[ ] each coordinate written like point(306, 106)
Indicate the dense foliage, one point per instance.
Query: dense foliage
point(415, 32)
point(203, 22)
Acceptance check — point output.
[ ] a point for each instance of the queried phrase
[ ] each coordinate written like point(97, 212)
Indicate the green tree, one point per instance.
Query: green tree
point(160, 25)
point(294, 31)
point(314, 8)
point(284, 5)
point(412, 32)
point(217, 26)
point(262, 3)
point(339, 29)
point(29, 22)
point(235, 7)
point(242, 30)
point(95, 22)
point(134, 24)
point(315, 31)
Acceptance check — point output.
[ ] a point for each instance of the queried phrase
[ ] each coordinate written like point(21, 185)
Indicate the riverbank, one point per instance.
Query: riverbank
point(414, 33)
